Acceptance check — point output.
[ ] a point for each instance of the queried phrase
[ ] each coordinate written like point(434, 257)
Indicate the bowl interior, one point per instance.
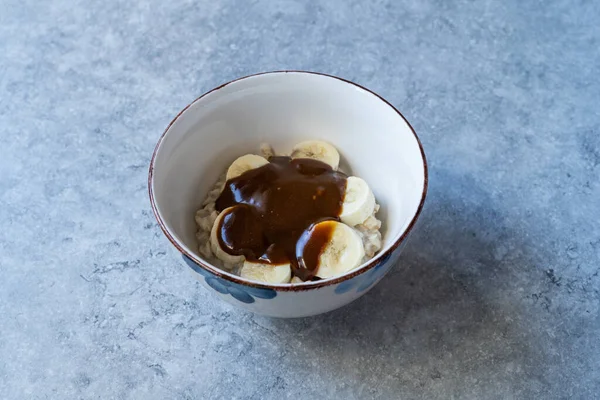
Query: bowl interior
point(282, 109)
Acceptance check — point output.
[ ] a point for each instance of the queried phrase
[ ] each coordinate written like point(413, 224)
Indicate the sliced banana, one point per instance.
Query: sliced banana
point(216, 246)
point(317, 150)
point(245, 163)
point(343, 253)
point(295, 279)
point(359, 202)
point(266, 272)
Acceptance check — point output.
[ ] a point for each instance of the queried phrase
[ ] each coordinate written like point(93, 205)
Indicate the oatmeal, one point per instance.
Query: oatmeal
point(293, 218)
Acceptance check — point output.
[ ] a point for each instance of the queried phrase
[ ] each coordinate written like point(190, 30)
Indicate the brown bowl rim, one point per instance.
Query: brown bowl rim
point(307, 285)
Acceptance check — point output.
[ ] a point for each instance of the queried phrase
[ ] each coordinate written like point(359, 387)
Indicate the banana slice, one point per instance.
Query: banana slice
point(245, 163)
point(343, 253)
point(216, 246)
point(359, 202)
point(296, 280)
point(317, 150)
point(266, 272)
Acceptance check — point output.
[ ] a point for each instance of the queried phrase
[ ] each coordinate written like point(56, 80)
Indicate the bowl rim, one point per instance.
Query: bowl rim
point(306, 285)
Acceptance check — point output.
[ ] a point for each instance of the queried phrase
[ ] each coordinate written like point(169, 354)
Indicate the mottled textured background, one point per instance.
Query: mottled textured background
point(496, 296)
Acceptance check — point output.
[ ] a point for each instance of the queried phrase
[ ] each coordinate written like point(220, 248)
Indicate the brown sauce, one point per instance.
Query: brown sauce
point(276, 208)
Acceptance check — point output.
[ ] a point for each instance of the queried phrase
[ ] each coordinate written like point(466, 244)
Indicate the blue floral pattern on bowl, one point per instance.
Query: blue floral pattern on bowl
point(245, 294)
point(366, 280)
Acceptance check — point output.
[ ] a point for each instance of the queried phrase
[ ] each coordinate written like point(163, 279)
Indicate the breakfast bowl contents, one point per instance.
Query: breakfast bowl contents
point(307, 222)
point(281, 219)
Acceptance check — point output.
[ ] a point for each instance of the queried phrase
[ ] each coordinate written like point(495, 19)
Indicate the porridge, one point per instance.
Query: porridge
point(280, 219)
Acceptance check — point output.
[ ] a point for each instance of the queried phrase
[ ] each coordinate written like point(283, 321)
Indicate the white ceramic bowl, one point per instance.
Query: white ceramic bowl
point(283, 108)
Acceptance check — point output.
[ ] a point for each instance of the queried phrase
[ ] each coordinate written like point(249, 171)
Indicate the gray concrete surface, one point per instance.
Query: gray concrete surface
point(496, 297)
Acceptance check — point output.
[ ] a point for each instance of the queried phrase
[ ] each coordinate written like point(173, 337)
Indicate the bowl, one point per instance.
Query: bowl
point(283, 108)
